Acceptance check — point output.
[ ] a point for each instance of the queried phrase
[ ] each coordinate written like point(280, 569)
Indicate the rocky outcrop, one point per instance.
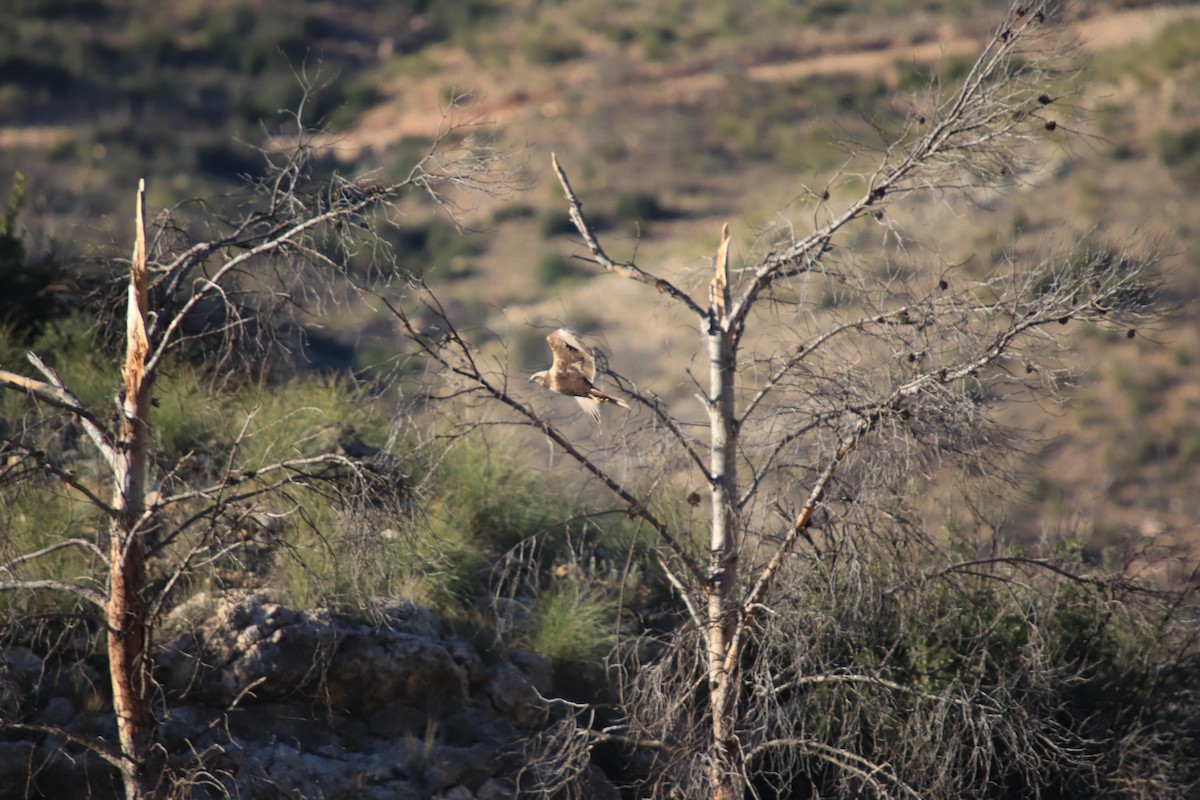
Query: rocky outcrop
point(269, 702)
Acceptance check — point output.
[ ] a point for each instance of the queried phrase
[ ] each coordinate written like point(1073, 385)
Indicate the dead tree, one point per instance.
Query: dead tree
point(819, 421)
point(217, 296)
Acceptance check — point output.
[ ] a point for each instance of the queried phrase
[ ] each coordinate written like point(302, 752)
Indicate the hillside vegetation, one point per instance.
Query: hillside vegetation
point(672, 120)
point(676, 119)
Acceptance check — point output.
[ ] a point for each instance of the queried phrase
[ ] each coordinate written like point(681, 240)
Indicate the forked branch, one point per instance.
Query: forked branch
point(624, 269)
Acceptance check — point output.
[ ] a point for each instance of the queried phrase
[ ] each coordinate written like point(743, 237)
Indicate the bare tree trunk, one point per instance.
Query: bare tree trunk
point(125, 612)
point(723, 554)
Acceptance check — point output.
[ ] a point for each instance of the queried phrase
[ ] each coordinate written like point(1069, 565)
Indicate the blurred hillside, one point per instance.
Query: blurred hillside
point(672, 118)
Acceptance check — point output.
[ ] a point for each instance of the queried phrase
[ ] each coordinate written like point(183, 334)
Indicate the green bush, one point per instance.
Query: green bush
point(556, 223)
point(1180, 150)
point(429, 247)
point(656, 41)
point(1176, 48)
point(38, 517)
point(544, 47)
point(512, 211)
point(573, 625)
point(554, 269)
point(639, 206)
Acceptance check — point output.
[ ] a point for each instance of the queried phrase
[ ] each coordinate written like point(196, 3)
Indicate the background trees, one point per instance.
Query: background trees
point(833, 393)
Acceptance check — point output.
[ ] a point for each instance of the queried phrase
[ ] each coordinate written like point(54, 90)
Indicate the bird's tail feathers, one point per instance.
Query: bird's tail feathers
point(601, 397)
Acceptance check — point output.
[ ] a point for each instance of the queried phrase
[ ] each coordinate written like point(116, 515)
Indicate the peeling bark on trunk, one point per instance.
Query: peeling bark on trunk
point(724, 544)
point(126, 609)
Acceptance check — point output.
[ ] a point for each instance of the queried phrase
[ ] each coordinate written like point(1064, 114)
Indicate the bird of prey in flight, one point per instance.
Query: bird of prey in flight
point(572, 373)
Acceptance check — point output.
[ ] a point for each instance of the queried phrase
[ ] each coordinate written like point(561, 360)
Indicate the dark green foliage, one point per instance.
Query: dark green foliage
point(32, 291)
point(657, 41)
point(554, 268)
point(915, 77)
point(639, 206)
point(164, 89)
point(433, 246)
point(546, 48)
point(513, 211)
point(1180, 150)
point(556, 223)
point(12, 249)
point(223, 157)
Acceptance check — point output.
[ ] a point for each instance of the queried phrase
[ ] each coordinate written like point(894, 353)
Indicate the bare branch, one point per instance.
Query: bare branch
point(759, 590)
point(57, 395)
point(626, 270)
point(866, 770)
point(684, 594)
point(98, 746)
point(69, 478)
point(84, 544)
point(50, 584)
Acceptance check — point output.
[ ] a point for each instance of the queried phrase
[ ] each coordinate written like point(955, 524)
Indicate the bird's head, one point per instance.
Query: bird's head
point(539, 378)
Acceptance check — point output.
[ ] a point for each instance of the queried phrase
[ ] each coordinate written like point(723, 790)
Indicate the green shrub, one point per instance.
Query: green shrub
point(512, 211)
point(573, 624)
point(300, 418)
point(1180, 150)
point(553, 269)
point(544, 46)
point(656, 41)
point(1176, 48)
point(428, 247)
point(38, 517)
point(639, 206)
point(556, 223)
point(1097, 665)
point(188, 416)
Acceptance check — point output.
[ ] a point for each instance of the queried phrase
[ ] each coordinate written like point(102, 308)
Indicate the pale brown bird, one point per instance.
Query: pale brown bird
point(572, 373)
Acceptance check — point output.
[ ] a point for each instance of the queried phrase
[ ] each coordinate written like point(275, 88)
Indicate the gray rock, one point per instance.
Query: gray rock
point(183, 727)
point(396, 720)
point(537, 668)
point(291, 724)
point(405, 615)
point(515, 697)
point(468, 659)
point(58, 711)
point(15, 761)
point(324, 707)
point(374, 669)
point(242, 643)
point(21, 663)
point(448, 766)
point(595, 785)
point(20, 672)
point(496, 789)
point(471, 726)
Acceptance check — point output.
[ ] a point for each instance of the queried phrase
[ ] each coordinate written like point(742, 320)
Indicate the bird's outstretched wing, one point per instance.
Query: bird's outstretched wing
point(571, 357)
